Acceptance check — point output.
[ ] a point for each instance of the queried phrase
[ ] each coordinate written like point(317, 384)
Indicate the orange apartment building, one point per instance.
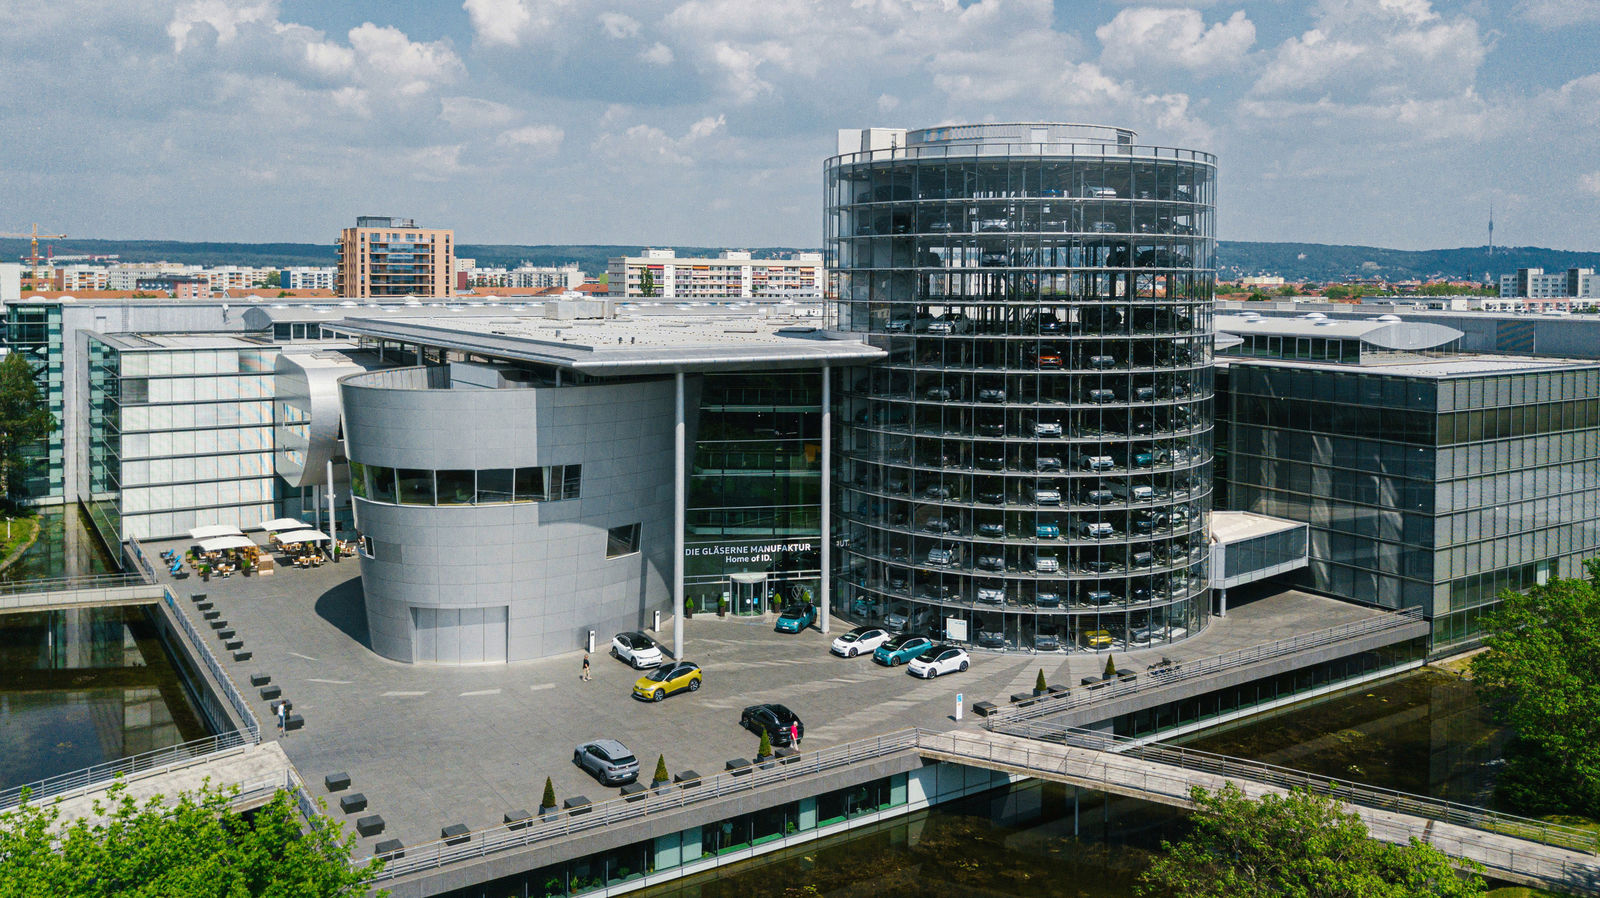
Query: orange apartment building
point(383, 256)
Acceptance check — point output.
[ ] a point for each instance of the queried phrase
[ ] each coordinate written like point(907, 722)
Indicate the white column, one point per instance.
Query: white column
point(679, 498)
point(333, 526)
point(1222, 602)
point(827, 496)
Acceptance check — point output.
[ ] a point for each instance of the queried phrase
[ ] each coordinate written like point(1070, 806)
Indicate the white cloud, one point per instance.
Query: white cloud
point(542, 139)
point(512, 23)
point(414, 67)
point(221, 17)
point(1358, 50)
point(1144, 37)
point(887, 102)
point(618, 25)
point(1558, 13)
point(657, 54)
point(475, 112)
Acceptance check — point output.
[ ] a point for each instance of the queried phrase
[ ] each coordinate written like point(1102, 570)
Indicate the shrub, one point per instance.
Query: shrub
point(765, 749)
point(549, 799)
point(661, 770)
point(1039, 685)
point(1111, 667)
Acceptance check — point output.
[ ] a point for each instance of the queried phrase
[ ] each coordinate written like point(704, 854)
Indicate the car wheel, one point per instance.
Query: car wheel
point(615, 653)
point(963, 667)
point(577, 758)
point(658, 695)
point(694, 685)
point(893, 661)
point(851, 654)
point(933, 673)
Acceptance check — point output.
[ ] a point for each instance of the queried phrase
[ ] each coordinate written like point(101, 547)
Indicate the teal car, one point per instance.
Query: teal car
point(901, 649)
point(796, 618)
point(1048, 531)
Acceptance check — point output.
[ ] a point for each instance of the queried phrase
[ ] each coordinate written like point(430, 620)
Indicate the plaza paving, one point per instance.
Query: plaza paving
point(433, 746)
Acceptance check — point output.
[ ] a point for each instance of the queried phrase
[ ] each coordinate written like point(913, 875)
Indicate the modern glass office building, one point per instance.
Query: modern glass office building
point(1031, 463)
point(34, 330)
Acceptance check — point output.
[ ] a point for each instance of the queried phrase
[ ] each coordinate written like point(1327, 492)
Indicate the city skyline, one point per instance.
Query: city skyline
point(1376, 122)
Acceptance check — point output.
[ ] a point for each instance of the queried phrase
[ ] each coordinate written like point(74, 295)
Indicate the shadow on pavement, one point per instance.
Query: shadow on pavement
point(345, 607)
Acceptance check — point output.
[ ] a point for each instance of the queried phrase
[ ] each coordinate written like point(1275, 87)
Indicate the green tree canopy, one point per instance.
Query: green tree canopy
point(195, 847)
point(1299, 844)
point(1540, 670)
point(24, 420)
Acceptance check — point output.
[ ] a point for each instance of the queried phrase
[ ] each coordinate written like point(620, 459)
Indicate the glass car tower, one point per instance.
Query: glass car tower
point(1029, 468)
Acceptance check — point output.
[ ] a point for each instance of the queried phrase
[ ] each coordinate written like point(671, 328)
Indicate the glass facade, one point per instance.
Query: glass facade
point(753, 522)
point(34, 331)
point(179, 436)
point(1434, 492)
point(1030, 466)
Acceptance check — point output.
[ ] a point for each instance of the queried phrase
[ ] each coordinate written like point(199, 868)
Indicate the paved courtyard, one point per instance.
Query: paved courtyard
point(433, 746)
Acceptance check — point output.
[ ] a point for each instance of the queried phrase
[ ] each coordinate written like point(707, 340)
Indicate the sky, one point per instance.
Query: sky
point(706, 122)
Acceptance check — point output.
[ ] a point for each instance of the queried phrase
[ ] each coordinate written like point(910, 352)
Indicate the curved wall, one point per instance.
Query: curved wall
point(437, 576)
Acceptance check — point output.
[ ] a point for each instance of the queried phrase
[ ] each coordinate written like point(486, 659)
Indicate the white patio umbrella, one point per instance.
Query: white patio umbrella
point(218, 543)
point(211, 531)
point(278, 524)
point(303, 536)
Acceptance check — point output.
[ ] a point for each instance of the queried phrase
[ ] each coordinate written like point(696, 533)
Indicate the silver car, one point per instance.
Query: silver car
point(608, 760)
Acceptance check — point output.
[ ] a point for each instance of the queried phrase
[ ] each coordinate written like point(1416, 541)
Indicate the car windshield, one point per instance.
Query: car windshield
point(660, 674)
point(850, 637)
point(794, 611)
point(897, 642)
point(932, 654)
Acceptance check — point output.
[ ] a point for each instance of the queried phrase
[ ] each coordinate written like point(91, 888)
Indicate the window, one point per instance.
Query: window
point(455, 487)
point(622, 541)
point(416, 486)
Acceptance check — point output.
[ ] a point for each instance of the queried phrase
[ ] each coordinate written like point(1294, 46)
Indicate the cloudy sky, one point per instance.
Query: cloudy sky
point(1384, 122)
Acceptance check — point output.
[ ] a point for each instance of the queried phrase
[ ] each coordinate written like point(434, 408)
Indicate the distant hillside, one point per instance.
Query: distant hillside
point(1321, 263)
point(1298, 262)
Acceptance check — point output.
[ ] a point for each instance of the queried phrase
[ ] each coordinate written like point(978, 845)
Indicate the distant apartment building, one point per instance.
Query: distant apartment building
point(1534, 283)
point(10, 281)
point(80, 278)
point(384, 256)
point(531, 276)
point(731, 273)
point(236, 277)
point(126, 275)
point(305, 277)
point(178, 286)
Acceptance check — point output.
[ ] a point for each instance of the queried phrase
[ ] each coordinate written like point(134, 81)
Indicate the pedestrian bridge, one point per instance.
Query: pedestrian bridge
point(1516, 849)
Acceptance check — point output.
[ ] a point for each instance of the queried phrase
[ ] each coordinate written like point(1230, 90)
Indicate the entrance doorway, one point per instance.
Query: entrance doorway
point(749, 593)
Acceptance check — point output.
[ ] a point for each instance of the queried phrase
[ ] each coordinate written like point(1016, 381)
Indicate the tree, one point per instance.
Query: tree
point(661, 774)
point(1297, 844)
point(24, 420)
point(1286, 290)
point(1111, 666)
point(764, 750)
point(1039, 685)
point(1337, 291)
point(1539, 669)
point(1257, 296)
point(647, 283)
point(549, 799)
point(194, 847)
point(274, 279)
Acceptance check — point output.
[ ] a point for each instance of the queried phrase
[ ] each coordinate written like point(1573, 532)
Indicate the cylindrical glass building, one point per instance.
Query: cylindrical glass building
point(1030, 466)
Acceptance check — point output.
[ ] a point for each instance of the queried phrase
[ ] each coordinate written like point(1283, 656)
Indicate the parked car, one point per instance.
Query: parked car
point(1047, 531)
point(937, 660)
point(991, 394)
point(796, 618)
point(675, 676)
point(991, 595)
point(941, 557)
point(1046, 642)
point(1097, 639)
point(608, 760)
point(639, 650)
point(896, 619)
point(993, 529)
point(777, 721)
point(991, 639)
point(991, 563)
point(861, 639)
point(1047, 598)
point(901, 649)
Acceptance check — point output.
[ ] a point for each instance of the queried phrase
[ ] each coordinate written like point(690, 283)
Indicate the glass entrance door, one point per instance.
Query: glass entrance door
point(748, 593)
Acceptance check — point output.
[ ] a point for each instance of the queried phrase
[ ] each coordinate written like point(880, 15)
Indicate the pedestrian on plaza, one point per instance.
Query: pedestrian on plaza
point(794, 734)
point(283, 717)
point(585, 675)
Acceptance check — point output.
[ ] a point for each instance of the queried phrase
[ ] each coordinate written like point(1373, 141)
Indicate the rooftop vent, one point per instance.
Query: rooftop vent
point(1313, 316)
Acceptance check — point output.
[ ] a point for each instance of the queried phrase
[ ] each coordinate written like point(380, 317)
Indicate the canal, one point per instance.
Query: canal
point(81, 686)
point(67, 547)
point(1423, 732)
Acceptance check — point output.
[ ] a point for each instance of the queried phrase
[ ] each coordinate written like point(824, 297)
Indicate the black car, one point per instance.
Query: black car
point(774, 720)
point(991, 639)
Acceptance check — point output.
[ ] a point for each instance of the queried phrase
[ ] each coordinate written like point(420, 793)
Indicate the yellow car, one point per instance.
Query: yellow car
point(1097, 639)
point(674, 676)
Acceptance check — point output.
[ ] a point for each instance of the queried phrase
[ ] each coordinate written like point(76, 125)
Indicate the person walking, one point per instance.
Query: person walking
point(794, 734)
point(585, 674)
point(283, 717)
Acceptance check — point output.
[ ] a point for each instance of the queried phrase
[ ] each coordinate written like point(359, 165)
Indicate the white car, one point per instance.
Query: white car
point(941, 659)
point(861, 640)
point(639, 650)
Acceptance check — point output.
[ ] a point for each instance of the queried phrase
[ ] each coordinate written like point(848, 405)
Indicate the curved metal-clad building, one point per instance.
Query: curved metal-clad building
point(1030, 467)
point(503, 518)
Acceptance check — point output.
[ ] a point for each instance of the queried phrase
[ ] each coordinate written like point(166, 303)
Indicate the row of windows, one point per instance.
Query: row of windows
point(487, 486)
point(196, 442)
point(189, 417)
point(198, 361)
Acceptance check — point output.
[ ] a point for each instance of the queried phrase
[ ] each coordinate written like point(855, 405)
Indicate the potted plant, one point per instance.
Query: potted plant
point(245, 564)
point(1111, 669)
point(764, 750)
point(1040, 687)
point(547, 804)
point(205, 572)
point(660, 781)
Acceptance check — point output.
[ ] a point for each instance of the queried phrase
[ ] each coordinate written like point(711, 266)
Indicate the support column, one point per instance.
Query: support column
point(1222, 602)
point(333, 523)
point(679, 498)
point(826, 532)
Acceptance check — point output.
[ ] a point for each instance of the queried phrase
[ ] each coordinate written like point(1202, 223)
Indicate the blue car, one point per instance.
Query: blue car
point(1048, 531)
point(901, 649)
point(797, 617)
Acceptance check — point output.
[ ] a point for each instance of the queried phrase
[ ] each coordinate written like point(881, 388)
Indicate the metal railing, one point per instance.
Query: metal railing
point(70, 584)
point(141, 562)
point(229, 690)
point(89, 777)
point(1470, 816)
point(1157, 677)
point(561, 823)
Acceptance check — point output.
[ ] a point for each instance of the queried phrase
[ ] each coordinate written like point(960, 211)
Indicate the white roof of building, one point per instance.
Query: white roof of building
point(1466, 365)
point(1388, 332)
point(1237, 526)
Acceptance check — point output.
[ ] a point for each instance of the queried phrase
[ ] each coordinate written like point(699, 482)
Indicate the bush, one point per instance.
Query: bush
point(765, 748)
point(549, 799)
point(661, 770)
point(1111, 667)
point(1039, 685)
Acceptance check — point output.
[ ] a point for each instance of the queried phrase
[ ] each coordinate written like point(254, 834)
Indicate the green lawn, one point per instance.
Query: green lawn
point(22, 530)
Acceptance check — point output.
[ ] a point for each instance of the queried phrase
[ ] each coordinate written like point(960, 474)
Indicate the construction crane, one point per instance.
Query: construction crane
point(34, 255)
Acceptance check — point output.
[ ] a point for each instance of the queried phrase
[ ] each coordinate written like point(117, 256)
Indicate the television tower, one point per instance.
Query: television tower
point(1491, 227)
